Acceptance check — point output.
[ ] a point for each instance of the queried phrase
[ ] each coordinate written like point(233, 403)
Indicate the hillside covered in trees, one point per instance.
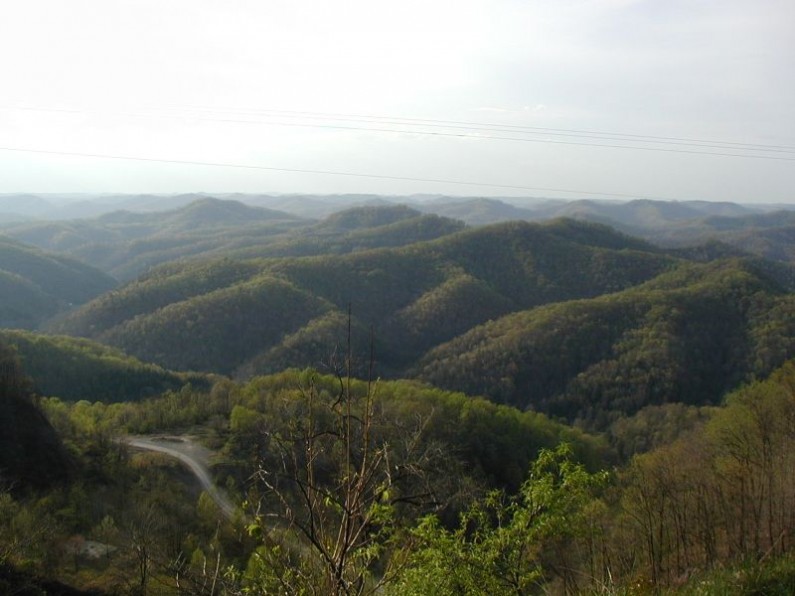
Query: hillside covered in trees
point(74, 369)
point(31, 452)
point(125, 244)
point(394, 402)
point(263, 314)
point(569, 318)
point(36, 285)
point(460, 493)
point(686, 336)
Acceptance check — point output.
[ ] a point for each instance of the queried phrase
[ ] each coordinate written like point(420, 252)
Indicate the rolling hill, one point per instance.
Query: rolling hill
point(228, 315)
point(35, 285)
point(687, 336)
point(534, 315)
point(74, 368)
point(126, 244)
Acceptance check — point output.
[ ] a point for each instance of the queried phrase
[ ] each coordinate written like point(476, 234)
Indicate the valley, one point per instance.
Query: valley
point(584, 396)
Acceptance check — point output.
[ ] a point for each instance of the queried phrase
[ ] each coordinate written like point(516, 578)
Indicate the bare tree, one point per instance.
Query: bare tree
point(332, 487)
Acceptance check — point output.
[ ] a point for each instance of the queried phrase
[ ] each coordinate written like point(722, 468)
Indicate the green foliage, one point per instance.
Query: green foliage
point(769, 235)
point(257, 316)
point(654, 427)
point(219, 330)
point(24, 304)
point(496, 443)
point(503, 545)
point(368, 217)
point(75, 369)
point(335, 479)
point(348, 464)
point(63, 278)
point(176, 282)
point(35, 285)
point(329, 237)
point(687, 336)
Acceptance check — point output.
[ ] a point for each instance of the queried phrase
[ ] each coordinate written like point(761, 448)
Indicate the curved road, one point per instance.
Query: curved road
point(192, 455)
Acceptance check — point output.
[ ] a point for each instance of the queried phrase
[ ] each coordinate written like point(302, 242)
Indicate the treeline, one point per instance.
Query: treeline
point(715, 498)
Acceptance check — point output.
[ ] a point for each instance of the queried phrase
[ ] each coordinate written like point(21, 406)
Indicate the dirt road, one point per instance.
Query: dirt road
point(195, 457)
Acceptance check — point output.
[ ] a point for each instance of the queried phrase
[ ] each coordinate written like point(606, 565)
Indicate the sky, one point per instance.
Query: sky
point(670, 99)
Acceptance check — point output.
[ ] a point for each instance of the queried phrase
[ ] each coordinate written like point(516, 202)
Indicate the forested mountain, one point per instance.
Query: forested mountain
point(35, 285)
point(687, 336)
point(126, 244)
point(644, 214)
point(483, 211)
point(160, 229)
point(260, 315)
point(356, 229)
point(556, 323)
point(574, 331)
point(74, 368)
point(761, 232)
point(769, 235)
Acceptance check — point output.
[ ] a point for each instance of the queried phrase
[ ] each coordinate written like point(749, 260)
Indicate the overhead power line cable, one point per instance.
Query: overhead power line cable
point(730, 146)
point(500, 127)
point(327, 173)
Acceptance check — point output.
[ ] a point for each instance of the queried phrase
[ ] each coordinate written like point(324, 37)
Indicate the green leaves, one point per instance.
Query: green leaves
point(499, 544)
point(689, 335)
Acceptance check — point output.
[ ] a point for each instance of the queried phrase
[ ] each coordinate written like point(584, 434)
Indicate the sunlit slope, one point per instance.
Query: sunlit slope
point(224, 315)
point(687, 336)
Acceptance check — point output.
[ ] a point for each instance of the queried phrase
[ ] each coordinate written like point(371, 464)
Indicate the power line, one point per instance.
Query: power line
point(502, 138)
point(325, 172)
point(521, 140)
point(510, 127)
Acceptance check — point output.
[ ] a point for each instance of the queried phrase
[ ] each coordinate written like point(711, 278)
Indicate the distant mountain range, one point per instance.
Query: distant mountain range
point(472, 210)
point(125, 243)
point(566, 317)
point(261, 314)
point(97, 224)
point(669, 298)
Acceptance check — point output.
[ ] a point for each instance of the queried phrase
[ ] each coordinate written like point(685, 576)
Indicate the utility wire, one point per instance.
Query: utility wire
point(503, 138)
point(507, 128)
point(324, 172)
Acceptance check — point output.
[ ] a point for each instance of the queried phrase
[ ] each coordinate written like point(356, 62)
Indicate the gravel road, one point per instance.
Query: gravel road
point(194, 456)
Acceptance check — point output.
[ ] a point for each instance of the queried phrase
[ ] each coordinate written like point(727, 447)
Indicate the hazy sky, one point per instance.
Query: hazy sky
point(385, 89)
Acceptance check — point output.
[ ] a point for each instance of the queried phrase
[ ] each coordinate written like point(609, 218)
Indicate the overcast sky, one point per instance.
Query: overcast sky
point(384, 89)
